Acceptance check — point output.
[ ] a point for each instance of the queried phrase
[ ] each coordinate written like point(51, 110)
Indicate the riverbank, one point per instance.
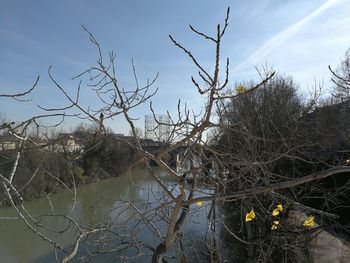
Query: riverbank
point(80, 179)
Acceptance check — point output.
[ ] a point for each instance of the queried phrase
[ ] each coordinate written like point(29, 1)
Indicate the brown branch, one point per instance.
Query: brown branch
point(273, 187)
point(17, 96)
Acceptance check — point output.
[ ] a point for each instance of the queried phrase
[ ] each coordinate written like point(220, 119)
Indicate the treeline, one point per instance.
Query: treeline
point(42, 171)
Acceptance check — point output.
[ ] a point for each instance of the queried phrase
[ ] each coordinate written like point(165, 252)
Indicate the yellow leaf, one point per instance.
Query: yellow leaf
point(277, 210)
point(250, 216)
point(241, 89)
point(276, 222)
point(275, 225)
point(280, 207)
point(199, 203)
point(310, 222)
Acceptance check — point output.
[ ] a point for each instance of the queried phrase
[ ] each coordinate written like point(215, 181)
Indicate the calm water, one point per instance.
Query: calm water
point(96, 203)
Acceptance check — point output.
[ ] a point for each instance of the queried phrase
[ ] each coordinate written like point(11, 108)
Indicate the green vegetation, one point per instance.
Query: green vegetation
point(43, 171)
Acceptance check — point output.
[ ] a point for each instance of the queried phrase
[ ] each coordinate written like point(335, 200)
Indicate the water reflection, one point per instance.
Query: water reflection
point(96, 205)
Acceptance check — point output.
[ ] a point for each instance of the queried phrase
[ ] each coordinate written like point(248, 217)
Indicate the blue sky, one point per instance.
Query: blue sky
point(296, 37)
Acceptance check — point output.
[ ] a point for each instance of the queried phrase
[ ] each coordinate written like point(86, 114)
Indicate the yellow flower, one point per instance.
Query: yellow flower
point(199, 203)
point(250, 216)
point(277, 211)
point(241, 89)
point(275, 224)
point(310, 222)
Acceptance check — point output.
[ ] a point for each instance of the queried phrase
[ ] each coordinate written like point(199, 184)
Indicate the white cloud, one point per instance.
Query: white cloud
point(306, 48)
point(261, 54)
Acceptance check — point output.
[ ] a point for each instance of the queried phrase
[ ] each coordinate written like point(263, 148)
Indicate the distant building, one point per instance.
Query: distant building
point(157, 127)
point(68, 142)
point(8, 142)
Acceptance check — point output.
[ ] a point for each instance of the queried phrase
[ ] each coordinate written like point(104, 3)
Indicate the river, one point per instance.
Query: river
point(96, 204)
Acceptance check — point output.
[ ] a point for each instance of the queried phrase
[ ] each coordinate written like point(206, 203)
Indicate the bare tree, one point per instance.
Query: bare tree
point(341, 78)
point(210, 175)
